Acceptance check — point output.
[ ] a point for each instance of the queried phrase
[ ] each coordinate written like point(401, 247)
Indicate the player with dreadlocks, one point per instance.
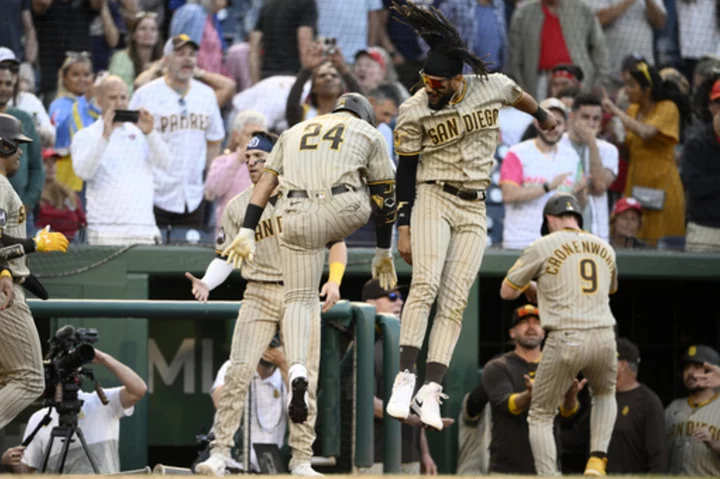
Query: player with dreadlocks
point(445, 137)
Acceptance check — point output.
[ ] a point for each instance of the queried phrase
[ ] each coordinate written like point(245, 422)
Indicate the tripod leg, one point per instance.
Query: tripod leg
point(46, 458)
point(65, 432)
point(81, 436)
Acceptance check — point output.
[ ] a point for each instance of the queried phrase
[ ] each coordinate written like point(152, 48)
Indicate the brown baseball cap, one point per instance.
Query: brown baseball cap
point(522, 313)
point(628, 351)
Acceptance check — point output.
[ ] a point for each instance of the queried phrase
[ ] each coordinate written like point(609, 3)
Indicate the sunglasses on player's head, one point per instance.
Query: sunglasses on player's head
point(435, 83)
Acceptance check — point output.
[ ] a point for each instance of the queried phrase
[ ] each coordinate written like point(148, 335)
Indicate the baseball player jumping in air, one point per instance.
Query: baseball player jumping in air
point(22, 378)
point(330, 169)
point(446, 136)
point(570, 273)
point(257, 323)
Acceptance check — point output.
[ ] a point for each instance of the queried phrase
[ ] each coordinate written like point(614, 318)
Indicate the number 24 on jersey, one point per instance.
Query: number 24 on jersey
point(314, 135)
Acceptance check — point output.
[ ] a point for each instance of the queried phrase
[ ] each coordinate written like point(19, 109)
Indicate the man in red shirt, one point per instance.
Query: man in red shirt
point(547, 33)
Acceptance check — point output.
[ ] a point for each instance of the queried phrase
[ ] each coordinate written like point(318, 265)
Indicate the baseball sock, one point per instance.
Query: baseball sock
point(435, 372)
point(408, 358)
point(599, 454)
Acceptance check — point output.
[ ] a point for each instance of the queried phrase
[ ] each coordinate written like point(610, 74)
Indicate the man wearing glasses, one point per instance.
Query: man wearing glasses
point(446, 137)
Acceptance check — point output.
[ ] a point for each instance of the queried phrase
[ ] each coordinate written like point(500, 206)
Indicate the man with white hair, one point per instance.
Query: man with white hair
point(188, 119)
point(228, 175)
point(116, 159)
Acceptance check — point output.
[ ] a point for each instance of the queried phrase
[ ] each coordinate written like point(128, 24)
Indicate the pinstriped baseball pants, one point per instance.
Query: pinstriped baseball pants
point(22, 379)
point(257, 322)
point(565, 354)
point(448, 237)
point(308, 225)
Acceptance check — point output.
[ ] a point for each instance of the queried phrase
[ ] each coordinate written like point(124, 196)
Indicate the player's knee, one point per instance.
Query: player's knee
point(541, 415)
point(452, 313)
point(238, 373)
point(424, 291)
point(300, 296)
point(33, 385)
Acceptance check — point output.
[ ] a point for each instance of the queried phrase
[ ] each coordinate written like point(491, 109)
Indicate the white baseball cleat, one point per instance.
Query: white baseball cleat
point(426, 404)
point(298, 397)
point(403, 388)
point(212, 466)
point(304, 469)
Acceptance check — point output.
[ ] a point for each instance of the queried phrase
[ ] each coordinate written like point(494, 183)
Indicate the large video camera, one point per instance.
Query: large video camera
point(70, 350)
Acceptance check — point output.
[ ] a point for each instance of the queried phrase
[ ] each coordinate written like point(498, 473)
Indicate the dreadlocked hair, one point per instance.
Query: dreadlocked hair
point(439, 34)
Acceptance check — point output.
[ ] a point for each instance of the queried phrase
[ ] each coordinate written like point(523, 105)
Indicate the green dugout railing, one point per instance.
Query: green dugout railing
point(358, 316)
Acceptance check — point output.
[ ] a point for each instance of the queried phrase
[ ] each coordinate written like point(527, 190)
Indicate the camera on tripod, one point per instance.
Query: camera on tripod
point(70, 350)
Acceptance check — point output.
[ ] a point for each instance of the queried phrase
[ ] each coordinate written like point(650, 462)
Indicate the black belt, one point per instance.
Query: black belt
point(469, 195)
point(278, 283)
point(335, 190)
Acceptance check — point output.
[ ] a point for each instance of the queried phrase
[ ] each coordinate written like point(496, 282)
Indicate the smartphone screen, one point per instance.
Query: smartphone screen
point(122, 116)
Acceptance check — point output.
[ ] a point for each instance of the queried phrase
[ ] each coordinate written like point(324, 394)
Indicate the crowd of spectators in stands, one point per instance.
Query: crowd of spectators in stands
point(638, 84)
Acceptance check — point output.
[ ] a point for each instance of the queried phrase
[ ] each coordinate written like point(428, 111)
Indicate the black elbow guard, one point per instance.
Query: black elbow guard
point(383, 202)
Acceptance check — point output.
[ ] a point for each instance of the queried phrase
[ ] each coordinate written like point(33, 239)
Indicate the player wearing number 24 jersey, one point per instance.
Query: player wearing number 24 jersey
point(575, 272)
point(330, 170)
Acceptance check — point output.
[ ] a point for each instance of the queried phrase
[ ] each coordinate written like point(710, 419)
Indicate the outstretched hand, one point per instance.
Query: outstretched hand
point(200, 290)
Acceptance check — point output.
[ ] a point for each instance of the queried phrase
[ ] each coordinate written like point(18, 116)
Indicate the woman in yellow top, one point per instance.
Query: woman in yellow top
point(653, 123)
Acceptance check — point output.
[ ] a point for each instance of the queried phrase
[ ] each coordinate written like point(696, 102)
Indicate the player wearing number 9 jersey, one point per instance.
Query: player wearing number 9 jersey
point(575, 272)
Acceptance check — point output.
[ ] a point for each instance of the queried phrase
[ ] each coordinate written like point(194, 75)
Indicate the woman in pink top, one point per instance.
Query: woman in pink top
point(228, 175)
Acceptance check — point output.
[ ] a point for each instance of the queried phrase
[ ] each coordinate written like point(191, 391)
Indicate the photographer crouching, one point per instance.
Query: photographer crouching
point(98, 420)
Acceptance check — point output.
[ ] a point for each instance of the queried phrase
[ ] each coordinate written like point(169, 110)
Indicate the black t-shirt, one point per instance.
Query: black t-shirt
point(278, 22)
point(11, 26)
point(510, 450)
point(638, 443)
point(64, 27)
point(410, 450)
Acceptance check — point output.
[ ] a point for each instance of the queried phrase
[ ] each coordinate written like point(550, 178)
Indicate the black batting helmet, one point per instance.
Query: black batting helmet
point(560, 205)
point(358, 104)
point(11, 134)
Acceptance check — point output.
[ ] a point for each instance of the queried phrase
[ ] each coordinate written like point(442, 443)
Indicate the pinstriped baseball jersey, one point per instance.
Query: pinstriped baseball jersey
point(266, 266)
point(575, 273)
point(12, 222)
point(688, 456)
point(330, 150)
point(457, 142)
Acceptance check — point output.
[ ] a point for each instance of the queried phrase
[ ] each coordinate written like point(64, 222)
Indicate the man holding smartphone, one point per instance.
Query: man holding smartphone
point(115, 156)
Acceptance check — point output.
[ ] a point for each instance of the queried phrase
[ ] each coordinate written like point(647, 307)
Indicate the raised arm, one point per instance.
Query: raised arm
point(133, 389)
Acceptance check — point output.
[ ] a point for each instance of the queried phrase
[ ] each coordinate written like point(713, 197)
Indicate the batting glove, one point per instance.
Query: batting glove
point(383, 269)
point(241, 249)
point(47, 240)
